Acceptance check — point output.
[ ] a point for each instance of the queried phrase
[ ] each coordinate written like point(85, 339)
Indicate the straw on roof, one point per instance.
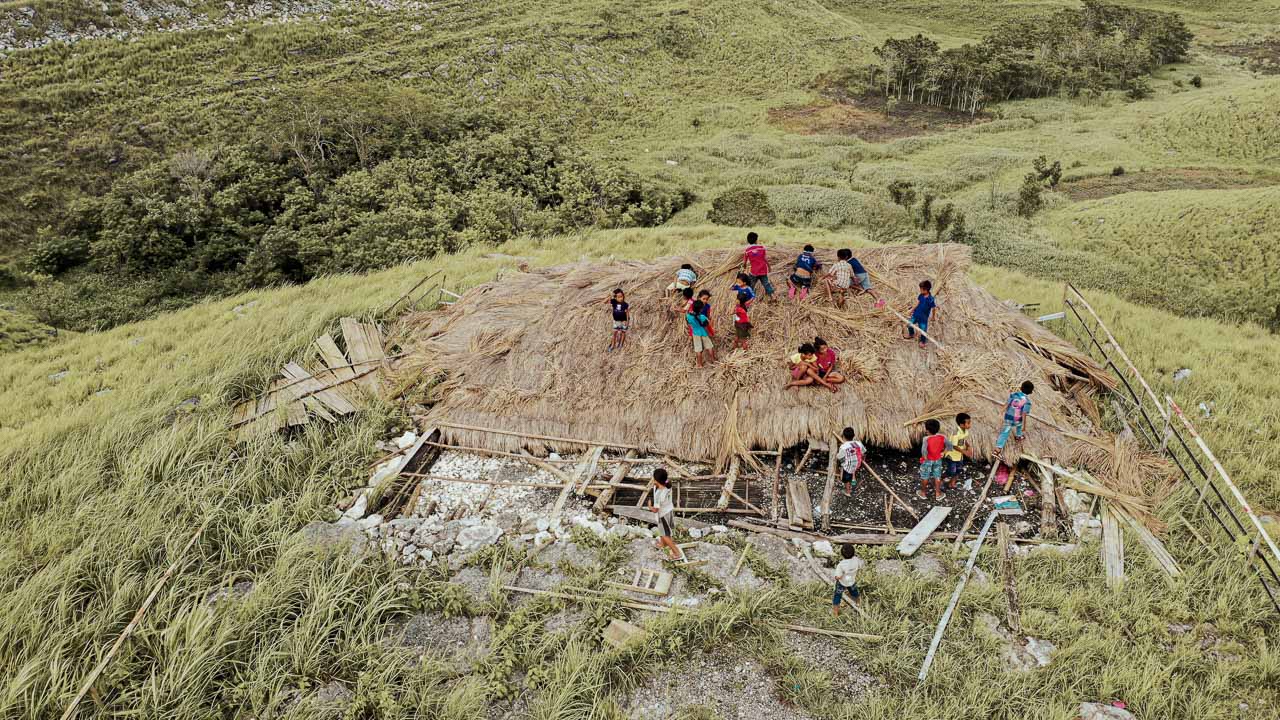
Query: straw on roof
point(527, 354)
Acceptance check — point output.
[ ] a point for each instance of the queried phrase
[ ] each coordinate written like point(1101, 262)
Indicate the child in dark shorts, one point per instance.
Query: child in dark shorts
point(846, 574)
point(741, 323)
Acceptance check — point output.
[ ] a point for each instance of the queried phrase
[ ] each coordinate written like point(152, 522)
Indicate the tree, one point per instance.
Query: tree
point(926, 210)
point(943, 221)
point(1046, 172)
point(902, 193)
point(1029, 200)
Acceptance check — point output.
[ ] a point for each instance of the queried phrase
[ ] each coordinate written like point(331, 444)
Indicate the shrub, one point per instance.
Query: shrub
point(742, 207)
point(52, 254)
point(1196, 81)
point(1138, 89)
point(1029, 200)
point(1117, 171)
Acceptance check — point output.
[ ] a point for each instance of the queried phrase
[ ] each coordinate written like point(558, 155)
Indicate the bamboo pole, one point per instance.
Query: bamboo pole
point(775, 506)
point(982, 496)
point(894, 495)
point(497, 453)
point(829, 489)
point(955, 598)
point(530, 436)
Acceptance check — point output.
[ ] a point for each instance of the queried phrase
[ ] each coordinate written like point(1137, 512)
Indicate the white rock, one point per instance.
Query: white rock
point(822, 548)
point(426, 554)
point(1100, 711)
point(695, 533)
point(1041, 650)
point(543, 539)
point(370, 522)
point(406, 441)
point(542, 524)
point(1076, 502)
point(1181, 374)
point(554, 456)
point(409, 550)
point(478, 536)
point(356, 511)
point(344, 520)
point(719, 529)
point(384, 471)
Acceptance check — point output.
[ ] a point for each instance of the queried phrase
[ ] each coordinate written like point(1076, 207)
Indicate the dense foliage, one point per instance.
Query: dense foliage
point(1071, 51)
point(330, 187)
point(742, 207)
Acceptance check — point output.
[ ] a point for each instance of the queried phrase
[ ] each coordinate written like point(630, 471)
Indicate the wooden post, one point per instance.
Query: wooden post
point(955, 598)
point(1005, 548)
point(828, 490)
point(982, 497)
point(777, 480)
point(730, 480)
point(1048, 504)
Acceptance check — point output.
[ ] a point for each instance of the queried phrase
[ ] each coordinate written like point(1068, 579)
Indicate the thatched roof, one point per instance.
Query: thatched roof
point(526, 353)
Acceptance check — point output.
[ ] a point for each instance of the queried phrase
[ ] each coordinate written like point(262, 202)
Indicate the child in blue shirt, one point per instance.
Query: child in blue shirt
point(700, 333)
point(926, 310)
point(1016, 410)
point(742, 289)
point(802, 274)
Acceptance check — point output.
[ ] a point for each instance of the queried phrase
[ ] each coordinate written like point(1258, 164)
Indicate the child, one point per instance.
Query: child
point(705, 297)
point(741, 323)
point(864, 279)
point(826, 361)
point(802, 275)
point(841, 277)
point(698, 331)
point(666, 514)
point(850, 456)
point(757, 264)
point(804, 369)
point(685, 278)
point(934, 445)
point(743, 288)
point(620, 319)
point(1016, 410)
point(846, 576)
point(960, 451)
point(926, 309)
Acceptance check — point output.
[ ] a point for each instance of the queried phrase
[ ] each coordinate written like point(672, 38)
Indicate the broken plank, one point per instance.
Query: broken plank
point(634, 513)
point(923, 529)
point(360, 349)
point(1112, 547)
point(731, 479)
point(955, 598)
point(309, 385)
point(333, 358)
point(606, 495)
point(587, 468)
point(799, 506)
point(828, 490)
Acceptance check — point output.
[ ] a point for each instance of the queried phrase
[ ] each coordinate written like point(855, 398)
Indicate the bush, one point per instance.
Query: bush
point(1197, 82)
point(52, 254)
point(1139, 89)
point(742, 207)
point(1029, 200)
point(1117, 171)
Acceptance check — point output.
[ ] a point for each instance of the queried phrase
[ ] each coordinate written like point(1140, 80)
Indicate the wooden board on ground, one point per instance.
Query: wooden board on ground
point(648, 581)
point(364, 347)
point(1158, 551)
point(620, 632)
point(799, 505)
point(1112, 547)
point(923, 529)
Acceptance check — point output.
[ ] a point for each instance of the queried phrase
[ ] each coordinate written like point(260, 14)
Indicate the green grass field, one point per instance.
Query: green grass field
point(111, 465)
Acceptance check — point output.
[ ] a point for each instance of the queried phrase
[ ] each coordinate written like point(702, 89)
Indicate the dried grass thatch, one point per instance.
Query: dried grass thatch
point(527, 354)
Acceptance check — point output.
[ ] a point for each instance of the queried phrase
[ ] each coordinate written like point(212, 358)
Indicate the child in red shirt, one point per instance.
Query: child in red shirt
point(932, 448)
point(757, 263)
point(741, 323)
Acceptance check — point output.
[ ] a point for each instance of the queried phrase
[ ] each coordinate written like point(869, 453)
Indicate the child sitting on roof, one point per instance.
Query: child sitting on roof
point(850, 456)
point(848, 275)
point(741, 323)
point(621, 319)
point(802, 274)
point(1016, 410)
point(686, 277)
point(804, 369)
point(932, 448)
point(926, 310)
point(826, 361)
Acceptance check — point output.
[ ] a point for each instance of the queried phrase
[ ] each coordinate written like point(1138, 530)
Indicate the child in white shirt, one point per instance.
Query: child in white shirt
point(666, 513)
point(846, 575)
point(850, 456)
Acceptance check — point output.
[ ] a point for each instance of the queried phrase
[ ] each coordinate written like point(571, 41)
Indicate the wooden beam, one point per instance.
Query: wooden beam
point(530, 436)
point(1048, 504)
point(1112, 547)
point(921, 532)
point(731, 479)
point(955, 597)
point(982, 497)
point(606, 495)
point(833, 633)
point(587, 468)
point(775, 507)
point(1004, 547)
point(828, 490)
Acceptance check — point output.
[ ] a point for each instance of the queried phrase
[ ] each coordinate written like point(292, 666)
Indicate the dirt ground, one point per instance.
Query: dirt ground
point(864, 116)
point(1095, 188)
point(1262, 56)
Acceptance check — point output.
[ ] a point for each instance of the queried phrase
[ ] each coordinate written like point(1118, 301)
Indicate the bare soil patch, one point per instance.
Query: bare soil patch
point(864, 116)
point(830, 655)
point(1262, 56)
point(1096, 188)
point(713, 685)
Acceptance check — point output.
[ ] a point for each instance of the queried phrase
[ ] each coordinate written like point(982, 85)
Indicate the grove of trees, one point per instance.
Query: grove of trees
point(1071, 51)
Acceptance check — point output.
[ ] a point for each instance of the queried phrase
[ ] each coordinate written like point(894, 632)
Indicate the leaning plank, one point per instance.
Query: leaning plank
point(360, 350)
point(982, 497)
point(955, 598)
point(587, 469)
point(923, 530)
point(730, 480)
point(828, 489)
point(1158, 551)
point(1048, 504)
point(606, 495)
point(1112, 547)
point(801, 507)
point(634, 513)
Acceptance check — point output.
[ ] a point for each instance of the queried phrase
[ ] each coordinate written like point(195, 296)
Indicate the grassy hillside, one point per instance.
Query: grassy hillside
point(108, 478)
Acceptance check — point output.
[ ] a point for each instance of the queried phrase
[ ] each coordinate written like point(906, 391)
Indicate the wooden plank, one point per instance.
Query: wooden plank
point(1112, 547)
point(295, 413)
point(634, 513)
point(620, 632)
point(360, 351)
point(1048, 504)
point(587, 468)
point(737, 568)
point(955, 599)
point(529, 436)
point(333, 358)
point(832, 633)
point(923, 529)
point(307, 384)
point(620, 472)
point(804, 504)
point(829, 489)
point(775, 506)
point(731, 479)
point(1004, 545)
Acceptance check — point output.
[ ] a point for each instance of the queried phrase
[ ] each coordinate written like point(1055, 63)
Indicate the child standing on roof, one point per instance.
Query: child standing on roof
point(846, 578)
point(686, 278)
point(801, 279)
point(741, 323)
point(666, 511)
point(742, 288)
point(959, 452)
point(705, 297)
point(700, 334)
point(926, 310)
point(932, 448)
point(1016, 410)
point(840, 279)
point(621, 319)
point(850, 455)
point(757, 264)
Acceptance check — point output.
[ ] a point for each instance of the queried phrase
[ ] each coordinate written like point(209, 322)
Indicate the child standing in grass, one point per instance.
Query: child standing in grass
point(1016, 410)
point(755, 259)
point(846, 578)
point(700, 333)
point(850, 456)
point(926, 310)
point(686, 277)
point(801, 279)
point(621, 319)
point(741, 323)
point(960, 450)
point(666, 511)
point(932, 448)
point(742, 288)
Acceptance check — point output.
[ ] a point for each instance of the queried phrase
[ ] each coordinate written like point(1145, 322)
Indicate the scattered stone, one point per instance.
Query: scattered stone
point(323, 535)
point(357, 509)
point(474, 582)
point(1086, 527)
point(720, 561)
point(406, 441)
point(826, 654)
point(715, 684)
point(227, 594)
point(1101, 711)
point(1181, 374)
point(370, 522)
point(1036, 653)
point(778, 554)
point(928, 566)
point(823, 549)
point(896, 568)
point(477, 536)
point(457, 641)
point(102, 392)
point(58, 376)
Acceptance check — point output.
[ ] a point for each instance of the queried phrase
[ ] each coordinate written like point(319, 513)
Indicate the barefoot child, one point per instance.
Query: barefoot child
point(864, 279)
point(742, 288)
point(756, 262)
point(801, 279)
point(698, 331)
point(825, 360)
point(621, 320)
point(850, 456)
point(666, 513)
point(846, 578)
point(804, 369)
point(840, 279)
point(926, 310)
point(741, 323)
point(705, 297)
point(932, 448)
point(686, 277)
point(959, 452)
point(1016, 410)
